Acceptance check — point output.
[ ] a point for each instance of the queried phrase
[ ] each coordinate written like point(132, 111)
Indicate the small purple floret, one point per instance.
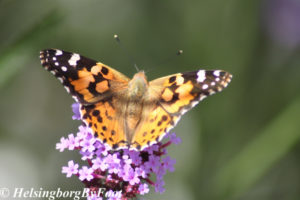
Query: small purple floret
point(174, 139)
point(85, 173)
point(64, 143)
point(143, 188)
point(159, 186)
point(71, 169)
point(168, 163)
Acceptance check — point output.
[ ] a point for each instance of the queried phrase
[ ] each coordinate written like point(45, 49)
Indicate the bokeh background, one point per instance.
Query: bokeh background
point(242, 143)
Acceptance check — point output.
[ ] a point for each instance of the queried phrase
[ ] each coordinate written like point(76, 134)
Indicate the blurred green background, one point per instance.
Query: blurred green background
point(242, 143)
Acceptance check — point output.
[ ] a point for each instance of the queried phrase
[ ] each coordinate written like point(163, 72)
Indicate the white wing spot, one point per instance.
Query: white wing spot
point(194, 103)
point(184, 111)
point(202, 97)
point(204, 87)
point(217, 79)
point(217, 73)
point(56, 63)
point(64, 68)
point(54, 58)
point(175, 122)
point(60, 79)
point(213, 83)
point(73, 60)
point(68, 89)
point(53, 72)
point(75, 98)
point(201, 76)
point(179, 80)
point(58, 52)
point(211, 92)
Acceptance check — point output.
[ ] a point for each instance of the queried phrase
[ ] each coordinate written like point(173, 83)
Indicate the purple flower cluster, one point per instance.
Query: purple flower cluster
point(124, 170)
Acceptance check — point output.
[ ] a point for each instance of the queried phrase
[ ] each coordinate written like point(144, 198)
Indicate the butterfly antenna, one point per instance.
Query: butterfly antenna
point(126, 52)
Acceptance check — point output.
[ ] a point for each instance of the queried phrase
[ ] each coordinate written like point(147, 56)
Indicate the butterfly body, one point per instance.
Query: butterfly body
point(135, 97)
point(130, 113)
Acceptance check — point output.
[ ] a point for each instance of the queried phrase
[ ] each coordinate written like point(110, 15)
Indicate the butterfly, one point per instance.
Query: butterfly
point(130, 113)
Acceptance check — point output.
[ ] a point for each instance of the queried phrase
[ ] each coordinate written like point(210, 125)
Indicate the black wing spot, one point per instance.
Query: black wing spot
point(96, 134)
point(164, 118)
point(85, 116)
point(96, 113)
point(99, 118)
point(113, 132)
point(175, 97)
point(172, 79)
point(104, 70)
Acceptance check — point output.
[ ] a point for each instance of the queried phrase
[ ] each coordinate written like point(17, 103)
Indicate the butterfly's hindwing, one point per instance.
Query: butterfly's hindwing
point(104, 120)
point(153, 128)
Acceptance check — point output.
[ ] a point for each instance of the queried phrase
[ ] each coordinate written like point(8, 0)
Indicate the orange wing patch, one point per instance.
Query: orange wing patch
point(93, 83)
point(180, 97)
point(105, 123)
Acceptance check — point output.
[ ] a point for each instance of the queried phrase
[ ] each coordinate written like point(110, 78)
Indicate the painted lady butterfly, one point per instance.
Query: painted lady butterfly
point(130, 113)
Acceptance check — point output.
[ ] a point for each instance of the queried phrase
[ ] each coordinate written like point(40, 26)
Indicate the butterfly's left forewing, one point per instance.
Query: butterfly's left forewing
point(86, 80)
point(171, 97)
point(97, 87)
